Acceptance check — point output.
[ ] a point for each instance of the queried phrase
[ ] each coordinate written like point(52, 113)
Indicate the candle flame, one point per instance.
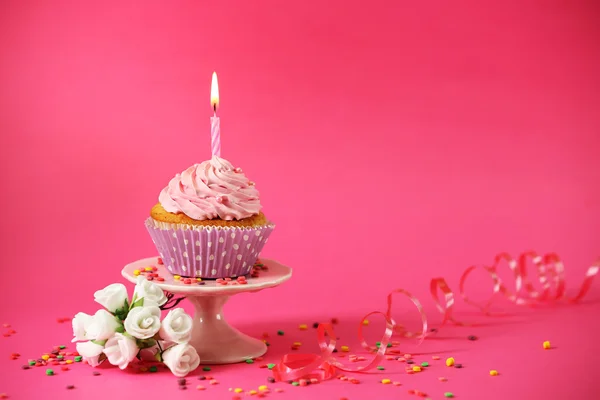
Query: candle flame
point(214, 92)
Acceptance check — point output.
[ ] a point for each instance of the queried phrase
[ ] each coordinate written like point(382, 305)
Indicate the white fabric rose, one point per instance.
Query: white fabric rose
point(121, 350)
point(90, 352)
point(177, 326)
point(143, 322)
point(112, 297)
point(103, 326)
point(81, 323)
point(150, 292)
point(181, 359)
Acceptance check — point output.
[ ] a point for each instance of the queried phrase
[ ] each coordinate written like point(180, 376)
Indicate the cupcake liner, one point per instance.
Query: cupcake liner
point(208, 252)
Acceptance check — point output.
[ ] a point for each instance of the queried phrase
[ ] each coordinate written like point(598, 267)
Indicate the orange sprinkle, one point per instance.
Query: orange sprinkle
point(435, 357)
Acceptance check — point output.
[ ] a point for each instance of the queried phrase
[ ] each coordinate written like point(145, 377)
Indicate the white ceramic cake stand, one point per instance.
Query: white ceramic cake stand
point(214, 339)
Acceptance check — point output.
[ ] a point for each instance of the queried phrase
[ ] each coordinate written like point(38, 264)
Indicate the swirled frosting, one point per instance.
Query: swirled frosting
point(209, 190)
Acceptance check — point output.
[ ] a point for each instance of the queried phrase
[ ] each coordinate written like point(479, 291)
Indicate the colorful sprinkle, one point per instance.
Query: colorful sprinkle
point(442, 379)
point(205, 368)
point(249, 361)
point(345, 349)
point(546, 344)
point(449, 362)
point(365, 322)
point(238, 390)
point(302, 327)
point(295, 383)
point(153, 368)
point(493, 372)
point(49, 372)
point(381, 368)
point(386, 381)
point(416, 368)
point(435, 357)
point(280, 333)
point(262, 388)
point(448, 394)
point(458, 366)
point(425, 364)
point(270, 366)
point(77, 358)
point(136, 272)
point(472, 337)
point(200, 387)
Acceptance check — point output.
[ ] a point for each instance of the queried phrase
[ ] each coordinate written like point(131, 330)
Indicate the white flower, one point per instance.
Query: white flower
point(177, 326)
point(103, 326)
point(150, 292)
point(181, 359)
point(112, 297)
point(143, 322)
point(90, 352)
point(81, 323)
point(121, 350)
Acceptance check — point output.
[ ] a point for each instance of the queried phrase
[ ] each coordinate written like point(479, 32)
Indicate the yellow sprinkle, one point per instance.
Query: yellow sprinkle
point(297, 344)
point(416, 368)
point(493, 372)
point(386, 381)
point(45, 357)
point(199, 279)
point(546, 344)
point(303, 327)
point(365, 322)
point(252, 392)
point(136, 272)
point(148, 269)
point(449, 362)
point(263, 388)
point(69, 361)
point(176, 277)
point(238, 390)
point(345, 348)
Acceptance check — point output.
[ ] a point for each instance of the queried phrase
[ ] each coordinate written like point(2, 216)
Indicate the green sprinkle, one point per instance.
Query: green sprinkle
point(378, 344)
point(205, 368)
point(295, 383)
point(249, 361)
point(381, 368)
point(389, 345)
point(59, 357)
point(280, 333)
point(270, 366)
point(425, 364)
point(32, 363)
point(49, 372)
point(62, 347)
point(448, 394)
point(153, 368)
point(77, 358)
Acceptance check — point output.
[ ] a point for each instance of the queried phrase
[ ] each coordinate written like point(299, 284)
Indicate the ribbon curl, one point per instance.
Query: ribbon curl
point(551, 275)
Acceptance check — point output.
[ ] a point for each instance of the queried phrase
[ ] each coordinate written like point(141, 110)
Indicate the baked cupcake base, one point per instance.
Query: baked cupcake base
point(209, 251)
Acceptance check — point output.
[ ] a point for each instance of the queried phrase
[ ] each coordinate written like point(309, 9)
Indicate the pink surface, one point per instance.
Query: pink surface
point(391, 142)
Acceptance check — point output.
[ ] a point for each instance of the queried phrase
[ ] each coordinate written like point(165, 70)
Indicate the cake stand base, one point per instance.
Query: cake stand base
point(214, 339)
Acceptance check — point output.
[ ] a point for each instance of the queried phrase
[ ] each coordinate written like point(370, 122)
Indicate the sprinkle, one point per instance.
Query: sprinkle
point(442, 379)
point(3, 396)
point(201, 378)
point(181, 381)
point(365, 322)
point(249, 361)
point(302, 327)
point(546, 344)
point(69, 361)
point(136, 272)
point(280, 333)
point(252, 392)
point(425, 364)
point(297, 344)
point(408, 356)
point(386, 381)
point(435, 357)
point(416, 368)
point(396, 383)
point(153, 368)
point(148, 269)
point(457, 365)
point(96, 373)
point(270, 366)
point(25, 366)
point(71, 387)
point(315, 325)
point(279, 390)
point(334, 321)
point(64, 368)
point(200, 387)
point(410, 361)
point(182, 387)
point(205, 368)
point(176, 277)
point(448, 394)
point(31, 363)
point(345, 349)
point(262, 388)
point(270, 379)
point(295, 383)
point(49, 372)
point(493, 372)
point(449, 362)
point(77, 358)
point(45, 357)
point(472, 337)
point(381, 368)
point(213, 382)
point(303, 382)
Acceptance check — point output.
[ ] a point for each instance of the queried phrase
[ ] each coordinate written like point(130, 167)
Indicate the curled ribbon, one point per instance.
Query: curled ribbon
point(551, 274)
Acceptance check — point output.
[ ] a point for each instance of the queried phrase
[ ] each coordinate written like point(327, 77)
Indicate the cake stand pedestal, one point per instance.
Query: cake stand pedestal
point(214, 339)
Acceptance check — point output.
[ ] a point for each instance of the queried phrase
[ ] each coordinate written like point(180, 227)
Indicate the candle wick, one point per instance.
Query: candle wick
point(215, 109)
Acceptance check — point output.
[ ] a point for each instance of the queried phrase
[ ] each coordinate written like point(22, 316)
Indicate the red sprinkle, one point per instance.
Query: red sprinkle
point(159, 261)
point(150, 278)
point(160, 279)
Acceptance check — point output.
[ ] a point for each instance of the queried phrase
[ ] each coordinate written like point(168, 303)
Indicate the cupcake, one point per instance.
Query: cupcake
point(208, 222)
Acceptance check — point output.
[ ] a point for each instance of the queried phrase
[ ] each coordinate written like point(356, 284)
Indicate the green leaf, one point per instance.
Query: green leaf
point(120, 329)
point(138, 303)
point(146, 343)
point(99, 342)
point(158, 356)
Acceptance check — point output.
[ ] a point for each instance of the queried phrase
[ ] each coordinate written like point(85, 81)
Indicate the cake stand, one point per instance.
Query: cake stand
point(214, 339)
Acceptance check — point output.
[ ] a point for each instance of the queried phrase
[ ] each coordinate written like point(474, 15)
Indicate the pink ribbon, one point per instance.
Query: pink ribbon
point(551, 276)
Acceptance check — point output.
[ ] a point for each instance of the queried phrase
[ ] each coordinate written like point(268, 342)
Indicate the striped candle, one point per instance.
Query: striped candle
point(215, 122)
point(215, 135)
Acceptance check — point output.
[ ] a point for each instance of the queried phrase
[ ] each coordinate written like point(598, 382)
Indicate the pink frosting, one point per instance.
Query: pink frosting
point(209, 190)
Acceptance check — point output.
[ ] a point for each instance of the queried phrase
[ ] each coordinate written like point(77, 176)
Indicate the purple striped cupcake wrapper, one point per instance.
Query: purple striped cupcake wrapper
point(208, 252)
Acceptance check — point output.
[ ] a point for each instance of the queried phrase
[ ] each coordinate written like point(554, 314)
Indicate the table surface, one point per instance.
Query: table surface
point(274, 275)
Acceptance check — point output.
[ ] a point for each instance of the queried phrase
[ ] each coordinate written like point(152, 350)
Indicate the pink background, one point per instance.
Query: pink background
point(391, 141)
